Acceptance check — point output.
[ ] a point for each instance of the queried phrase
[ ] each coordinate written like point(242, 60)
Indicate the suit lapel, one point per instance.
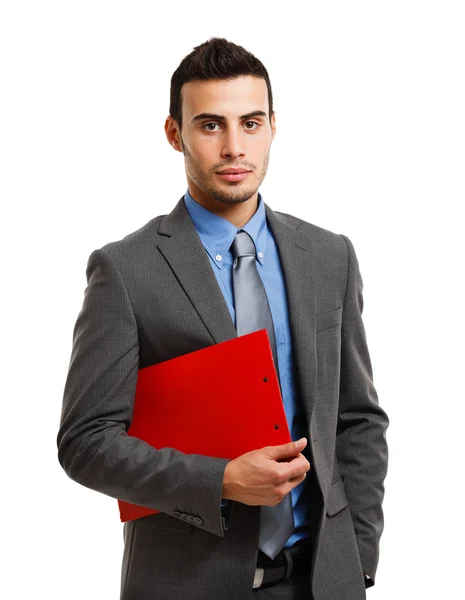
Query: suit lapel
point(181, 246)
point(298, 269)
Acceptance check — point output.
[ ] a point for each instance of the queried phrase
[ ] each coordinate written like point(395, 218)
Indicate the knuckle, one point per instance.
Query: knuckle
point(277, 499)
point(281, 491)
point(278, 477)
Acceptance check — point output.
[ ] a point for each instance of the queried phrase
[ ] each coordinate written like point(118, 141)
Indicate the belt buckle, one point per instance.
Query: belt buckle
point(260, 571)
point(289, 565)
point(258, 579)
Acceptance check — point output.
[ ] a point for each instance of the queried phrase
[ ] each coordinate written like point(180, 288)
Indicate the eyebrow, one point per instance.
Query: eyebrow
point(201, 116)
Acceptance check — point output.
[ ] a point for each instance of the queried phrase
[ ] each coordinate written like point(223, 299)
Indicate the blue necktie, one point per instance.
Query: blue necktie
point(253, 313)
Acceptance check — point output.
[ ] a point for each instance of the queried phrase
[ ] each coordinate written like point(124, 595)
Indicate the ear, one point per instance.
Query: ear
point(273, 125)
point(172, 133)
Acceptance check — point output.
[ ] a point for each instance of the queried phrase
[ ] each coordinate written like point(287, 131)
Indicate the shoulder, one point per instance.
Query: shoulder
point(134, 243)
point(318, 237)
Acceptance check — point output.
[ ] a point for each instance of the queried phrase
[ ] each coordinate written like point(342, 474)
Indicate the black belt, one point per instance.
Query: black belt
point(286, 562)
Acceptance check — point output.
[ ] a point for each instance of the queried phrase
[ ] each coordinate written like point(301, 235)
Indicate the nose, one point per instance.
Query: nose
point(233, 144)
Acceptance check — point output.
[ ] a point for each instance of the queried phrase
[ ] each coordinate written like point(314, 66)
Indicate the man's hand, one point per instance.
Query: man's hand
point(263, 477)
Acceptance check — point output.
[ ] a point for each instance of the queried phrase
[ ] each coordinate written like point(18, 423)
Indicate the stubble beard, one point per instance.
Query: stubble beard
point(235, 193)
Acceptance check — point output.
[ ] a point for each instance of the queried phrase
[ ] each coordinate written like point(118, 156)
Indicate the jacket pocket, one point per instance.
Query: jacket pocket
point(337, 499)
point(327, 320)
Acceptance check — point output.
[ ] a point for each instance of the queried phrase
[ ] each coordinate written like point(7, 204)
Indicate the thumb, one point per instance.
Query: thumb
point(289, 449)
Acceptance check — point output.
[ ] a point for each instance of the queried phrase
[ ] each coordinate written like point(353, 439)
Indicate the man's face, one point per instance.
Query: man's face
point(226, 126)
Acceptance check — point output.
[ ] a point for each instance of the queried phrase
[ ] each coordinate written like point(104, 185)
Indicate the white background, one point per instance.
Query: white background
point(369, 100)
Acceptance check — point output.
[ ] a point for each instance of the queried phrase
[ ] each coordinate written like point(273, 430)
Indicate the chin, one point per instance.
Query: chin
point(236, 197)
point(235, 188)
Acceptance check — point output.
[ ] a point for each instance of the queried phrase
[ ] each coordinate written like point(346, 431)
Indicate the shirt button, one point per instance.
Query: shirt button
point(260, 255)
point(218, 257)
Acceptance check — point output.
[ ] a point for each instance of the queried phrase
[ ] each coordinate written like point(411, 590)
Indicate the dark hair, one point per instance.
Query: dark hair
point(216, 58)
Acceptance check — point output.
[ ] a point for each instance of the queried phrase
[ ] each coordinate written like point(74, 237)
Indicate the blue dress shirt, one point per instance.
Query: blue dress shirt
point(217, 235)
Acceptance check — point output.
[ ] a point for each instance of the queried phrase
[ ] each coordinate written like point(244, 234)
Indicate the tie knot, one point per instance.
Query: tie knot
point(243, 245)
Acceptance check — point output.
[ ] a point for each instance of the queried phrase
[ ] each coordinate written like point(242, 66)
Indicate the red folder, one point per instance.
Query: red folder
point(221, 401)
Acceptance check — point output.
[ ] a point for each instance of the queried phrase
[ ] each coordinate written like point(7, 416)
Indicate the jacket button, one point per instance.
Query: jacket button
point(190, 518)
point(198, 520)
point(177, 513)
point(184, 516)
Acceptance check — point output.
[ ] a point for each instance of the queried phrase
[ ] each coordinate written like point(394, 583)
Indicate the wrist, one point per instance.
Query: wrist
point(227, 481)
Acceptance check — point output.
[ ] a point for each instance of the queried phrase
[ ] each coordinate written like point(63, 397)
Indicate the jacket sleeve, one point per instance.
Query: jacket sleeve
point(361, 447)
point(93, 446)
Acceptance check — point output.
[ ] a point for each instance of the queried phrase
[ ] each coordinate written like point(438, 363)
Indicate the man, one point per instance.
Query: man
point(220, 264)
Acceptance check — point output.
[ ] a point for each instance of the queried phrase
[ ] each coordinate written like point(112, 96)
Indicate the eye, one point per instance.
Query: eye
point(206, 126)
point(253, 123)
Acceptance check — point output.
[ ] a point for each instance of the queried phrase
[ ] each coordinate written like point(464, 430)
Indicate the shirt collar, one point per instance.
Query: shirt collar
point(217, 234)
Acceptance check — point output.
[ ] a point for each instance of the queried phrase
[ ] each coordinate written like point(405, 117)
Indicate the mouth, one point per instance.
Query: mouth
point(233, 174)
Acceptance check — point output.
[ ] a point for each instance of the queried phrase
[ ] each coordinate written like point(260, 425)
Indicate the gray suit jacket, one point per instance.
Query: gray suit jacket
point(153, 296)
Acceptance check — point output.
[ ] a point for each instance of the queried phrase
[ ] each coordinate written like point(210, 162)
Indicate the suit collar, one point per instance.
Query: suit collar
point(178, 219)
